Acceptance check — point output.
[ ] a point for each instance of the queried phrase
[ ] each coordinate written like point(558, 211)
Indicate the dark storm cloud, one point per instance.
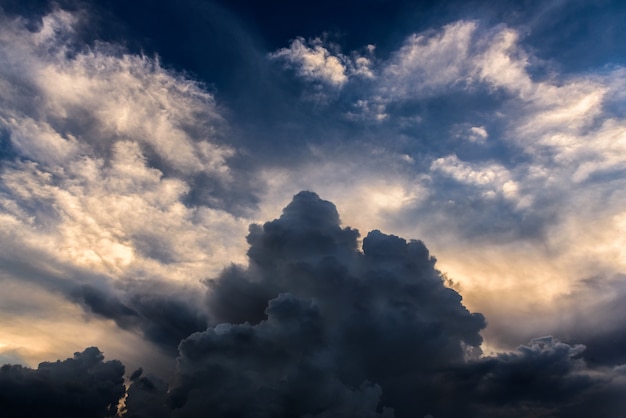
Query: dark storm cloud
point(163, 314)
point(315, 327)
point(544, 375)
point(546, 378)
point(281, 367)
point(313, 313)
point(84, 386)
point(147, 397)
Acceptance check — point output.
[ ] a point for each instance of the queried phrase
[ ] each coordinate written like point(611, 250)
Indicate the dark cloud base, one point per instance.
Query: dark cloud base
point(316, 327)
point(83, 386)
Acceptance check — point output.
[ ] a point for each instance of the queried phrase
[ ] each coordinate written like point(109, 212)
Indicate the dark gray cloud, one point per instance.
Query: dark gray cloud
point(163, 314)
point(84, 386)
point(543, 376)
point(281, 367)
point(314, 326)
point(312, 312)
point(147, 397)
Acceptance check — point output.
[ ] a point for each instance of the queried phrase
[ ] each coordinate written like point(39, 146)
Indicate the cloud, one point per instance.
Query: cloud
point(82, 386)
point(537, 162)
point(146, 397)
point(162, 313)
point(276, 368)
point(313, 61)
point(98, 194)
point(312, 312)
point(114, 131)
point(317, 325)
point(430, 62)
point(121, 188)
point(477, 134)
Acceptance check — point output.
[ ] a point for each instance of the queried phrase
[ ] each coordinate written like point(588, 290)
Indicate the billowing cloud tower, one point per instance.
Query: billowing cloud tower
point(316, 327)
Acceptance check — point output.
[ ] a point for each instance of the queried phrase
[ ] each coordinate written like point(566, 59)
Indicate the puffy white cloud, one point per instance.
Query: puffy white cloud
point(477, 134)
point(315, 61)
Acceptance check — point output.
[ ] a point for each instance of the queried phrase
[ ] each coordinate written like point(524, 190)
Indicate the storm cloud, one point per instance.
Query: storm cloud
point(316, 326)
point(82, 386)
point(162, 317)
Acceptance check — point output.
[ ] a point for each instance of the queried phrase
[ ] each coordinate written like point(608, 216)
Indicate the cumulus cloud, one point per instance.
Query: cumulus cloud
point(82, 386)
point(317, 325)
point(315, 61)
point(543, 379)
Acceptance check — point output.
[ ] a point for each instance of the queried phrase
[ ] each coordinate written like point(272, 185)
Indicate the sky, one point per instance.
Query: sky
point(375, 208)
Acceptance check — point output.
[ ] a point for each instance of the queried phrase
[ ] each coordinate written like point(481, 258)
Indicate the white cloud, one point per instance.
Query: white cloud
point(502, 63)
point(477, 134)
point(370, 187)
point(492, 177)
point(314, 61)
point(95, 117)
point(429, 62)
point(104, 93)
point(108, 145)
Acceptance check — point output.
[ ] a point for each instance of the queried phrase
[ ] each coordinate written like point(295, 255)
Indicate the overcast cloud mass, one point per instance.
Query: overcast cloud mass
point(233, 209)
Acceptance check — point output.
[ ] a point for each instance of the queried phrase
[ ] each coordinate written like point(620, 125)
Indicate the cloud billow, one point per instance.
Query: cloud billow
point(316, 327)
point(83, 386)
point(312, 312)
